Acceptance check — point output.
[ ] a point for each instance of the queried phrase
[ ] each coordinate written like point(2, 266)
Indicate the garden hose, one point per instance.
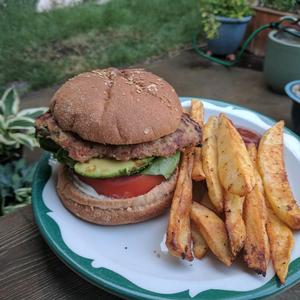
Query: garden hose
point(273, 25)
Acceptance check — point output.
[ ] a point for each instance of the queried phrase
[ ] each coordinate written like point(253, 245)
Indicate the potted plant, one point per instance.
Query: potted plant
point(282, 60)
point(224, 24)
point(16, 127)
point(267, 11)
point(16, 131)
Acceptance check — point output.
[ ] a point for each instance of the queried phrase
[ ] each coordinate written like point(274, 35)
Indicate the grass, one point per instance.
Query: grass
point(45, 48)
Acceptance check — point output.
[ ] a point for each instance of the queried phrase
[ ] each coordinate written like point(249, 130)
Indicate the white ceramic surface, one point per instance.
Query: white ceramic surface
point(137, 252)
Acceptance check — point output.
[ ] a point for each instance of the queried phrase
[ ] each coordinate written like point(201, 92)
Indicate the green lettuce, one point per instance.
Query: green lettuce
point(164, 166)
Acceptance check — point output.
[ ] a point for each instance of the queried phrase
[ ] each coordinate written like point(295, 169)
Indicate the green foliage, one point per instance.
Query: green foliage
point(15, 185)
point(16, 127)
point(210, 9)
point(46, 48)
point(281, 5)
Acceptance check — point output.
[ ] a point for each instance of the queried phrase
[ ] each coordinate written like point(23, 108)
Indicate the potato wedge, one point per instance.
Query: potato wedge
point(205, 200)
point(281, 243)
point(197, 112)
point(200, 247)
point(233, 207)
point(272, 169)
point(178, 239)
point(210, 163)
point(198, 173)
point(256, 248)
point(213, 231)
point(234, 165)
point(252, 150)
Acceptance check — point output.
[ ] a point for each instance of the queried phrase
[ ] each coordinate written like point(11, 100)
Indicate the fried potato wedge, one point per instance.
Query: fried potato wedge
point(210, 163)
point(233, 207)
point(198, 173)
point(213, 231)
point(197, 112)
point(256, 248)
point(234, 165)
point(281, 243)
point(252, 150)
point(200, 247)
point(178, 239)
point(205, 200)
point(272, 169)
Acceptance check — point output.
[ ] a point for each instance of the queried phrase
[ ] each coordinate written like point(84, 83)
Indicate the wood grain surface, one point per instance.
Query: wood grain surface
point(29, 269)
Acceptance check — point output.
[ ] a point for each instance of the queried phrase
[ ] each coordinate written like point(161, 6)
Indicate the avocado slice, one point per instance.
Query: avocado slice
point(107, 168)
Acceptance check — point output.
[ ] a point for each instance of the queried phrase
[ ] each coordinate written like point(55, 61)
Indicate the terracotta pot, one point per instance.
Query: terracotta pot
point(261, 17)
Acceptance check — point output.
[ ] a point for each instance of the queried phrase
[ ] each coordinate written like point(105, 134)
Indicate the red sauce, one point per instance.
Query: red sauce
point(249, 136)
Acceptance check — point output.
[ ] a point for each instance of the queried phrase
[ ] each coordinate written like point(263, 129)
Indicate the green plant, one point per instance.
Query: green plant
point(15, 185)
point(210, 9)
point(281, 5)
point(16, 127)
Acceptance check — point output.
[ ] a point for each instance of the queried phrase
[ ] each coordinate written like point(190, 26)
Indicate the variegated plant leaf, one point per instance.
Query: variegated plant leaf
point(16, 102)
point(24, 139)
point(2, 123)
point(32, 112)
point(20, 123)
point(7, 102)
point(7, 141)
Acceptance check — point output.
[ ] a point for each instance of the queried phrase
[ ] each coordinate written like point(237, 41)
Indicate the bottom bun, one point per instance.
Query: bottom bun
point(111, 211)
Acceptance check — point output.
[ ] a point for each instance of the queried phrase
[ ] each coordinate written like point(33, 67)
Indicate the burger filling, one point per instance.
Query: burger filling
point(118, 171)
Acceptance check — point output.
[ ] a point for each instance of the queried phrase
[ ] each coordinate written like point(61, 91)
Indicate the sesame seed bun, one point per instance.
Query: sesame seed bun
point(112, 106)
point(111, 211)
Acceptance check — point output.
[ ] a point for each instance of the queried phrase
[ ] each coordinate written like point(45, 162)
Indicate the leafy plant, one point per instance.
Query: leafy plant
point(15, 185)
point(281, 5)
point(211, 9)
point(16, 127)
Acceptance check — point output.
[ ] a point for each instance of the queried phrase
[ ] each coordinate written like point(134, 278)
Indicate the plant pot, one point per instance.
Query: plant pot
point(282, 61)
point(261, 17)
point(290, 89)
point(230, 35)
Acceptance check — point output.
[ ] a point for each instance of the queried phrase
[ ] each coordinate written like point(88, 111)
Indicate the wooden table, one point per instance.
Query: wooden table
point(29, 269)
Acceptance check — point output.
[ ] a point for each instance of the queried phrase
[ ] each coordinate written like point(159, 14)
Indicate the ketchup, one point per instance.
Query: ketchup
point(248, 136)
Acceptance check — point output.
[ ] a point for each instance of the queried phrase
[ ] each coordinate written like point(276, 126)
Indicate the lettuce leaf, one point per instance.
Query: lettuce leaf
point(164, 166)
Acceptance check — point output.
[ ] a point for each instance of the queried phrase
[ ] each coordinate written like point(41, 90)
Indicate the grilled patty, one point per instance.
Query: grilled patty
point(187, 134)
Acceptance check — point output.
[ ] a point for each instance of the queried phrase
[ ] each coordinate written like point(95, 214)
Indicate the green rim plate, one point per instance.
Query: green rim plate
point(117, 284)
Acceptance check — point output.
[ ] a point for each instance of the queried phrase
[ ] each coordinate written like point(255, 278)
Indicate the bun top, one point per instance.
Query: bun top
point(112, 106)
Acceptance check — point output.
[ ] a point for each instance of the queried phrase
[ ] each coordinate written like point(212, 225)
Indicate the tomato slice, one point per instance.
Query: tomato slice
point(123, 186)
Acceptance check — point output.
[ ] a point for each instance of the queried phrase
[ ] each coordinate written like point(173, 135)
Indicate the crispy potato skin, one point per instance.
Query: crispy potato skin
point(234, 222)
point(276, 185)
point(197, 112)
point(234, 165)
point(178, 239)
point(200, 247)
point(257, 248)
point(213, 231)
point(198, 173)
point(281, 242)
point(210, 163)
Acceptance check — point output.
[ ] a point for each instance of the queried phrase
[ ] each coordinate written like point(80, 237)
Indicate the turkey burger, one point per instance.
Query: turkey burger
point(117, 135)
